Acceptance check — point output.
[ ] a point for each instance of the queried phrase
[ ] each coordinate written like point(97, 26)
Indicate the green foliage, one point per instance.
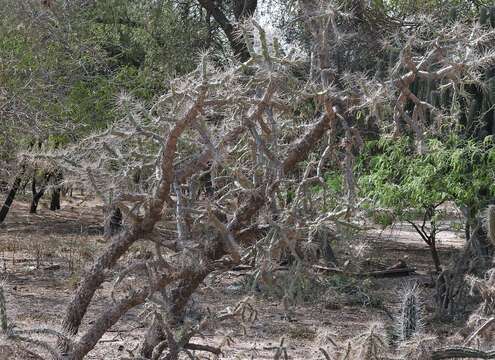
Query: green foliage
point(334, 181)
point(382, 218)
point(453, 8)
point(70, 71)
point(394, 176)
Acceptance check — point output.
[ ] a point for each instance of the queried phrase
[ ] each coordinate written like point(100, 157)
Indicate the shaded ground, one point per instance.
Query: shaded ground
point(41, 257)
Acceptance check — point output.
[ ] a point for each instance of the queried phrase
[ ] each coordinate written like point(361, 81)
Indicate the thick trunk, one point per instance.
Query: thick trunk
point(36, 199)
point(121, 242)
point(181, 295)
point(10, 197)
point(435, 257)
point(37, 195)
point(94, 278)
point(55, 202)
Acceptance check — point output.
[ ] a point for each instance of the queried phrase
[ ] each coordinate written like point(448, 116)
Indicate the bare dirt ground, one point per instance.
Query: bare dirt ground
point(41, 257)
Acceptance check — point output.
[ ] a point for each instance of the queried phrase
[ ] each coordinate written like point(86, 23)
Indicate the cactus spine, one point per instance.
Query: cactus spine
point(372, 344)
point(410, 314)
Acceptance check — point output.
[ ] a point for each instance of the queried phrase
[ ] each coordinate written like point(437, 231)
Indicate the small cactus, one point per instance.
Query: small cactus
point(372, 344)
point(409, 322)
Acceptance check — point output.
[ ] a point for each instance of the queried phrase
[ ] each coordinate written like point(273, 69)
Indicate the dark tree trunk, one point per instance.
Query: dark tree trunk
point(37, 195)
point(36, 199)
point(244, 8)
point(11, 196)
point(435, 257)
point(467, 230)
point(55, 202)
point(113, 222)
point(237, 44)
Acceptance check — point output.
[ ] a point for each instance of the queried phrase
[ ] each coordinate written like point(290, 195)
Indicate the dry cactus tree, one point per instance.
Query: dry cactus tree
point(242, 127)
point(149, 165)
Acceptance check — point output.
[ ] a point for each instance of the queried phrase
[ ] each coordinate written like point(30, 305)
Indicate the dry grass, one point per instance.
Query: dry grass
point(41, 262)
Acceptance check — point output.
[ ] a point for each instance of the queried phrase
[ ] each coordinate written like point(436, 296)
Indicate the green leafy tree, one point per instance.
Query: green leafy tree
point(414, 186)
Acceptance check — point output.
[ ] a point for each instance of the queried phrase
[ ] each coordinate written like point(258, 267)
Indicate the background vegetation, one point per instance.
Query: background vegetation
point(258, 134)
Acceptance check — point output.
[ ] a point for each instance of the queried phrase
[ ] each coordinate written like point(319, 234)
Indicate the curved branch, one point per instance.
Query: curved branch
point(462, 352)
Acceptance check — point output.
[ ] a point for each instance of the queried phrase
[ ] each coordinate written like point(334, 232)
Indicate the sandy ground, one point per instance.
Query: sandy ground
point(41, 257)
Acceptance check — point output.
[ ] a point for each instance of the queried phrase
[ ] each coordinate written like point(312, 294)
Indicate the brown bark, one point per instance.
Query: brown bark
point(109, 317)
point(11, 195)
point(55, 201)
point(300, 150)
point(37, 195)
point(94, 277)
point(121, 242)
